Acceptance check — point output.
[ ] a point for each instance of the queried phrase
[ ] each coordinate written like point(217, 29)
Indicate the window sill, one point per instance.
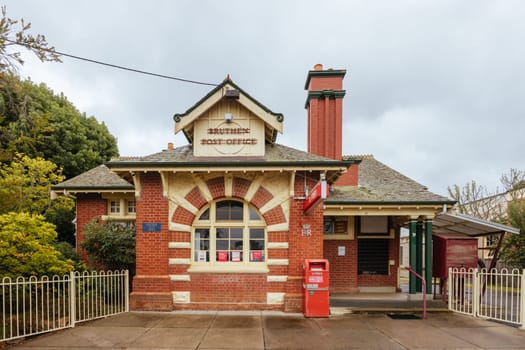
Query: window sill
point(228, 269)
point(118, 217)
point(340, 237)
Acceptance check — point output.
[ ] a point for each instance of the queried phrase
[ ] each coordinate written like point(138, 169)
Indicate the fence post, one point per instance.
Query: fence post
point(126, 290)
point(522, 300)
point(476, 297)
point(449, 288)
point(72, 299)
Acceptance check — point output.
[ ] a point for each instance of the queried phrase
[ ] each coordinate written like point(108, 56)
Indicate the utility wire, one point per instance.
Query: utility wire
point(110, 64)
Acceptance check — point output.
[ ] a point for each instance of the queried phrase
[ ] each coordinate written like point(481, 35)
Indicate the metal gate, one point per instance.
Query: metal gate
point(492, 294)
point(31, 306)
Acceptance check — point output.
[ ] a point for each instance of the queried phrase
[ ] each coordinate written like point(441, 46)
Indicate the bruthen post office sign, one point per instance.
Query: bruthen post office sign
point(228, 136)
point(243, 136)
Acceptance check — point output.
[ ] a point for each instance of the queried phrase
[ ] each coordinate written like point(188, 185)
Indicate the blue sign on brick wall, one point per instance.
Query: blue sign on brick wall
point(151, 227)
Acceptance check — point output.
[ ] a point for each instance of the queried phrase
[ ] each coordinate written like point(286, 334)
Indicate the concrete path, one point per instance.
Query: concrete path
point(267, 330)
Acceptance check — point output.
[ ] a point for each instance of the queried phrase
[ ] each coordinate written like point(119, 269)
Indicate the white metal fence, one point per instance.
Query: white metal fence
point(494, 294)
point(32, 306)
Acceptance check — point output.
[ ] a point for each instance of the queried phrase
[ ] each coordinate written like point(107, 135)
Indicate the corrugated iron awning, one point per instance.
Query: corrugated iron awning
point(468, 225)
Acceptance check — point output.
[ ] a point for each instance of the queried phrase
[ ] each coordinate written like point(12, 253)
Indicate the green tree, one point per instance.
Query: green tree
point(26, 247)
point(69, 253)
point(110, 245)
point(24, 187)
point(39, 123)
point(16, 32)
point(513, 249)
point(25, 184)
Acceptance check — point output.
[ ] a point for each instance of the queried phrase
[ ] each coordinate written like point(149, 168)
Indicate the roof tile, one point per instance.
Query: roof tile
point(378, 182)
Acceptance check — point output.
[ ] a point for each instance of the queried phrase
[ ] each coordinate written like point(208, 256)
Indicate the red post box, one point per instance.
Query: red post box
point(316, 284)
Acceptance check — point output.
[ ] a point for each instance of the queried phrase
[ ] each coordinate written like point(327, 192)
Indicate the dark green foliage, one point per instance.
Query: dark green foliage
point(110, 245)
point(513, 249)
point(69, 253)
point(38, 123)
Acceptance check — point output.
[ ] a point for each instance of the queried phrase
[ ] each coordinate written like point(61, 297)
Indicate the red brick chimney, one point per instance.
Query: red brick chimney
point(325, 111)
point(325, 118)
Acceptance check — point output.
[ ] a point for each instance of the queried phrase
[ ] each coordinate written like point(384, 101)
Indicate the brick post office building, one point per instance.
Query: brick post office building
point(226, 221)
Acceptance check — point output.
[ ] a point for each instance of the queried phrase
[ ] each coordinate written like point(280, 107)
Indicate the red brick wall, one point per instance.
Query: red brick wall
point(89, 206)
point(343, 269)
point(350, 178)
point(228, 288)
point(151, 285)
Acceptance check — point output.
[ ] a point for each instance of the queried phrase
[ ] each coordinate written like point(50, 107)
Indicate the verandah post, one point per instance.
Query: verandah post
point(428, 255)
point(412, 254)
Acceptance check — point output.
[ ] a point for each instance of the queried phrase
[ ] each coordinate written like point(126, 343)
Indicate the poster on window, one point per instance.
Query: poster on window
point(236, 256)
point(256, 255)
point(222, 256)
point(202, 256)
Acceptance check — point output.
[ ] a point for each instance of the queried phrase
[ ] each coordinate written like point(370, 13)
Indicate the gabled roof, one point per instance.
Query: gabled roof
point(275, 155)
point(273, 121)
point(96, 179)
point(380, 184)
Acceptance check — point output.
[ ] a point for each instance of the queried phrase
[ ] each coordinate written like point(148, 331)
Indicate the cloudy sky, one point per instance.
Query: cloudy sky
point(435, 89)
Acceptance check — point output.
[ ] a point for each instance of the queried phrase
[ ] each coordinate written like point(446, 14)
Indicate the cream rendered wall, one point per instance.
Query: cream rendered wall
point(249, 142)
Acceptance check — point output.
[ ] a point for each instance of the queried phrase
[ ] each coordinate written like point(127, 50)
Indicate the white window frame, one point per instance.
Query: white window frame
point(244, 266)
point(122, 204)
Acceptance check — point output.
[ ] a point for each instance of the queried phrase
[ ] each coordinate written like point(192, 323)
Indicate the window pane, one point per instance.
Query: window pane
point(222, 244)
point(202, 245)
point(222, 233)
point(202, 233)
point(236, 245)
point(114, 207)
point(254, 215)
point(205, 215)
point(236, 211)
point(131, 207)
point(256, 245)
point(222, 210)
point(229, 210)
point(256, 233)
point(236, 232)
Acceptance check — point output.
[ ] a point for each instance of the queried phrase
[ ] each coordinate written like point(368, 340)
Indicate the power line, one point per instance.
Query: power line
point(110, 64)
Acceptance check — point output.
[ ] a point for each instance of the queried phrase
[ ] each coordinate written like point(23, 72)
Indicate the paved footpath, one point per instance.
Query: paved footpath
point(267, 330)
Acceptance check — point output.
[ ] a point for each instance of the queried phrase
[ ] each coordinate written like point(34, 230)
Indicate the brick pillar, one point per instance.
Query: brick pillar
point(301, 246)
point(151, 284)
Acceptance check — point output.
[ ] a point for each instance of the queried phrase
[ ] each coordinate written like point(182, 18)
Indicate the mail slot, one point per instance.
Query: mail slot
point(316, 284)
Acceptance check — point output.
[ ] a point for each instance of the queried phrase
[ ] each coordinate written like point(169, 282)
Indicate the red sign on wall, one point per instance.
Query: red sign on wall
point(320, 191)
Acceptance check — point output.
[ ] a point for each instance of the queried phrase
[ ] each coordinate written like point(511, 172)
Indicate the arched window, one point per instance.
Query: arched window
point(229, 233)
